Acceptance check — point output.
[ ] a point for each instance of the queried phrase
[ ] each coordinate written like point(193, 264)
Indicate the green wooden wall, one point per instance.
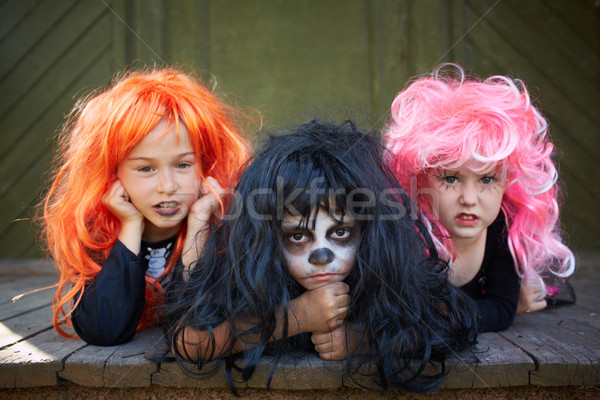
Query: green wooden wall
point(288, 59)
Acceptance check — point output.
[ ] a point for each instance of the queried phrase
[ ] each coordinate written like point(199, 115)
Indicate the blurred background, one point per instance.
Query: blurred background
point(285, 58)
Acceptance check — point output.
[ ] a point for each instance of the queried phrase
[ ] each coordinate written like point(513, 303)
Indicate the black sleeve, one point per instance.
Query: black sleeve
point(498, 305)
point(111, 306)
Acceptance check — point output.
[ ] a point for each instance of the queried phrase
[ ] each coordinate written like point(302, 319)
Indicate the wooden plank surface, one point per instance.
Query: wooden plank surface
point(588, 294)
point(24, 326)
point(564, 346)
point(36, 361)
point(555, 347)
point(13, 286)
point(130, 366)
point(116, 366)
point(494, 362)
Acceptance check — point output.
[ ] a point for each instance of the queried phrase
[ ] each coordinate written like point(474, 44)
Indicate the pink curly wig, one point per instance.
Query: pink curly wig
point(446, 121)
point(98, 134)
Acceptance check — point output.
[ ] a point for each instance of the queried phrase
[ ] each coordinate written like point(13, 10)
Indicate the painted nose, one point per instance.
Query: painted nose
point(167, 183)
point(468, 195)
point(321, 256)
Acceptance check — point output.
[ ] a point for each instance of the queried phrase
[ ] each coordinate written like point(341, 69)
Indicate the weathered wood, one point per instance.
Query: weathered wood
point(86, 365)
point(17, 269)
point(494, 362)
point(116, 366)
point(15, 329)
point(11, 286)
point(538, 344)
point(588, 294)
point(33, 301)
point(562, 357)
point(292, 374)
point(129, 365)
point(36, 361)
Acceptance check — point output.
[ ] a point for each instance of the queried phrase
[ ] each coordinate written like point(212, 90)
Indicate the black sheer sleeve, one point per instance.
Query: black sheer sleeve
point(111, 306)
point(496, 287)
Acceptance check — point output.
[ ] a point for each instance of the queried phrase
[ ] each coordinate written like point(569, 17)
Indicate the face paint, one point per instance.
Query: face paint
point(320, 255)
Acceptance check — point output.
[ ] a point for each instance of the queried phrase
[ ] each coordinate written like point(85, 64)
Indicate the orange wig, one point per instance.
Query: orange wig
point(98, 134)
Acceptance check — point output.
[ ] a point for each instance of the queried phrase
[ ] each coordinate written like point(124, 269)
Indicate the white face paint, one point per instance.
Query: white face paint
point(323, 255)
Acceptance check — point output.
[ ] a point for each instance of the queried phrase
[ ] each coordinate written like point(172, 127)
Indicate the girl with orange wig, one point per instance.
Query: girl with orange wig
point(140, 171)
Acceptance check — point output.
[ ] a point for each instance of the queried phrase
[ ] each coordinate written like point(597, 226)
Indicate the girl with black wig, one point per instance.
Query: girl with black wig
point(319, 252)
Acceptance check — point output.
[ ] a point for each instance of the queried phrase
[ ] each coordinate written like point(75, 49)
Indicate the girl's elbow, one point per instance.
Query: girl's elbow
point(191, 346)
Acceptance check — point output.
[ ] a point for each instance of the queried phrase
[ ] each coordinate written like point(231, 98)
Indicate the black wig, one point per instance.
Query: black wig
point(401, 299)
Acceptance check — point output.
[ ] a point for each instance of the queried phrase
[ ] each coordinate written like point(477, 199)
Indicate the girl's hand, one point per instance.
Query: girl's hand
point(531, 299)
point(116, 200)
point(199, 216)
point(321, 310)
point(338, 343)
point(207, 205)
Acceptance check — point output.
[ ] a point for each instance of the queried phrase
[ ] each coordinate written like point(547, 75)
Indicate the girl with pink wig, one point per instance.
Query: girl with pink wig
point(476, 156)
point(140, 166)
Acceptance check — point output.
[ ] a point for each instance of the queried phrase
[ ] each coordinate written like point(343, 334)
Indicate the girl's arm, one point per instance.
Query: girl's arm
point(322, 309)
point(110, 307)
point(498, 305)
point(198, 227)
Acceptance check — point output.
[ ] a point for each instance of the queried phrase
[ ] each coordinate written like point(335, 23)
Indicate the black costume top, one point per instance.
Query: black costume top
point(111, 306)
point(496, 287)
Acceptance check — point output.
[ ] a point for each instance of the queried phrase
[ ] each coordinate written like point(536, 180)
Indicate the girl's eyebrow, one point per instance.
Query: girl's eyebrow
point(291, 224)
point(180, 155)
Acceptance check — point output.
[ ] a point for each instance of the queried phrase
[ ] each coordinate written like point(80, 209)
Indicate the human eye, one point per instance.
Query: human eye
point(486, 180)
point(450, 179)
point(184, 165)
point(447, 177)
point(297, 238)
point(342, 234)
point(145, 168)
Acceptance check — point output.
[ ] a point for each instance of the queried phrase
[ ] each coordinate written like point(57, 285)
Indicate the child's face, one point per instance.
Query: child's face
point(161, 177)
point(467, 202)
point(323, 255)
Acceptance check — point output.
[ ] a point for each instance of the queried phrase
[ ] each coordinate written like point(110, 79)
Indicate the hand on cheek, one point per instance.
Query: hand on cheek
point(199, 216)
point(207, 205)
point(116, 200)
